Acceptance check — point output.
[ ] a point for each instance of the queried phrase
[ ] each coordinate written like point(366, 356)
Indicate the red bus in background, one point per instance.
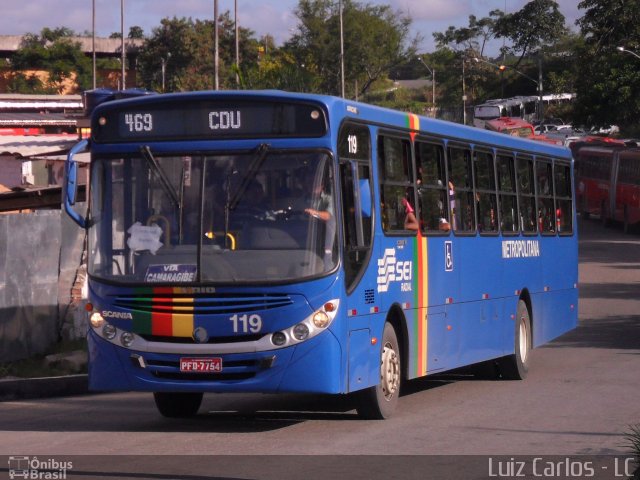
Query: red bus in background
point(608, 179)
point(511, 126)
point(518, 127)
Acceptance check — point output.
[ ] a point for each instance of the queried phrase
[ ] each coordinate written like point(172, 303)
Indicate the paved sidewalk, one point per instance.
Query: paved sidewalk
point(20, 388)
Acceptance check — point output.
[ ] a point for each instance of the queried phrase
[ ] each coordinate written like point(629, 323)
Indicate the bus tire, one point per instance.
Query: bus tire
point(177, 404)
point(516, 366)
point(380, 401)
point(625, 220)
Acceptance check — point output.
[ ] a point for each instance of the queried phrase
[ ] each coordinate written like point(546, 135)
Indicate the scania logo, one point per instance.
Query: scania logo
point(200, 335)
point(122, 315)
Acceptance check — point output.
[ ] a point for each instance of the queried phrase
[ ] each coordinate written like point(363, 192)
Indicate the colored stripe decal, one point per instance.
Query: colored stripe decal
point(423, 295)
point(182, 322)
point(170, 316)
point(413, 122)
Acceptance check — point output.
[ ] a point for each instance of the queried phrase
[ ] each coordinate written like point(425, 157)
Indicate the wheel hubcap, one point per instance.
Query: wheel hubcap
point(389, 371)
point(524, 340)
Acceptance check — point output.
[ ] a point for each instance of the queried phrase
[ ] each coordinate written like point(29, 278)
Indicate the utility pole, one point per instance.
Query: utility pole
point(235, 7)
point(432, 71)
point(341, 51)
point(540, 101)
point(215, 45)
point(124, 57)
point(464, 97)
point(93, 41)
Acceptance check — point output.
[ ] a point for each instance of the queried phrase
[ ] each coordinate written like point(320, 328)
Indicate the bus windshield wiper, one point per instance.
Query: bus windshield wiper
point(156, 168)
point(254, 166)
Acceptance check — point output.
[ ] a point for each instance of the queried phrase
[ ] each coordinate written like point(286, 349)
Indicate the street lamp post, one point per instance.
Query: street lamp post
point(432, 71)
point(464, 96)
point(622, 49)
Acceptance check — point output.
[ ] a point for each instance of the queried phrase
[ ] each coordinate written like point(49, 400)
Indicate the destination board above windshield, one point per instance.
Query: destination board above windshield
point(195, 119)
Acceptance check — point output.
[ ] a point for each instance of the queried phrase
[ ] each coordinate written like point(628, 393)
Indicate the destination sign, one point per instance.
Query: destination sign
point(195, 119)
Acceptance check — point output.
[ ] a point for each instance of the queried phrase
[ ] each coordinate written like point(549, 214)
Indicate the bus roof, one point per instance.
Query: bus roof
point(343, 109)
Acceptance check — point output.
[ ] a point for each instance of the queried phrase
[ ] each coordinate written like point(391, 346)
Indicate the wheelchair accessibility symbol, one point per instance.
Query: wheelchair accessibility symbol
point(448, 256)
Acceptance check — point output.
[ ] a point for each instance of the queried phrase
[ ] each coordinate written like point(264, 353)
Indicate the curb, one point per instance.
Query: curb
point(44, 387)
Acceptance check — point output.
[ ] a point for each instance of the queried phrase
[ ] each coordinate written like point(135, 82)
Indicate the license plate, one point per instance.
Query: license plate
point(201, 365)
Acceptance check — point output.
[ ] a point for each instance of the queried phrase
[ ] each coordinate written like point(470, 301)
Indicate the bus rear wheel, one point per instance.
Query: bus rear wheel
point(380, 401)
point(516, 366)
point(177, 404)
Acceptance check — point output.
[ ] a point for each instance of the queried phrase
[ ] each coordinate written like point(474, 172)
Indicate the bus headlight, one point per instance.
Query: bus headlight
point(321, 319)
point(109, 331)
point(308, 328)
point(300, 332)
point(126, 339)
point(96, 319)
point(278, 339)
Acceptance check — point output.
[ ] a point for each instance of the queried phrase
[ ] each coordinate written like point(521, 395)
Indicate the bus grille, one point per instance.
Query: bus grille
point(197, 304)
point(233, 370)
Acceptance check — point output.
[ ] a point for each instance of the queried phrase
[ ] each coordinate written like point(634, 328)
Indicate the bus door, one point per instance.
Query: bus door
point(362, 300)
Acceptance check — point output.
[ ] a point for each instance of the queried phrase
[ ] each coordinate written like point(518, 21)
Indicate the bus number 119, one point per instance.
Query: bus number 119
point(246, 323)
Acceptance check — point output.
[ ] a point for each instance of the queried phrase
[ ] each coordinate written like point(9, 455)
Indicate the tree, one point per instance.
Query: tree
point(186, 48)
point(54, 52)
point(375, 41)
point(136, 32)
point(537, 24)
point(471, 38)
point(608, 84)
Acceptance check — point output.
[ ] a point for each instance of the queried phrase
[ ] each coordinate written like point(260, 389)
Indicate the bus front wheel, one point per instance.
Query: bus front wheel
point(177, 404)
point(516, 366)
point(380, 401)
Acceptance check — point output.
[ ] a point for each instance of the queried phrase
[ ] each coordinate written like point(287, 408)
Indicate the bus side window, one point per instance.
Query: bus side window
point(564, 217)
point(546, 210)
point(432, 187)
point(507, 194)
point(526, 195)
point(461, 190)
point(485, 192)
point(397, 188)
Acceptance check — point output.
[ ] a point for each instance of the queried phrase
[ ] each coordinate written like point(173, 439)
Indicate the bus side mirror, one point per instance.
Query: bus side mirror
point(71, 186)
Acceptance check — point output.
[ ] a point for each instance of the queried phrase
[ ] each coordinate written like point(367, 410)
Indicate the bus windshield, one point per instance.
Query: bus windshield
point(253, 217)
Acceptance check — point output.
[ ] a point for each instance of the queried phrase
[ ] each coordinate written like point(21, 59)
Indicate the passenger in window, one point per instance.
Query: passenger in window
point(410, 220)
point(321, 203)
point(452, 203)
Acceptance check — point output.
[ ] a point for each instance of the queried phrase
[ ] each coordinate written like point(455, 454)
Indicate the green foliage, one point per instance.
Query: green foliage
point(186, 47)
point(54, 52)
point(398, 98)
point(471, 38)
point(633, 438)
point(136, 32)
point(279, 71)
point(607, 80)
point(375, 40)
point(539, 23)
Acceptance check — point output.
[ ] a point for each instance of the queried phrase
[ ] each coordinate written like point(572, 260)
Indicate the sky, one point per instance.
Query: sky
point(274, 17)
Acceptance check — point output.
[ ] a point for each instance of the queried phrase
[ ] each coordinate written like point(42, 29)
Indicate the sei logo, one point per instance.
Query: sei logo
point(390, 269)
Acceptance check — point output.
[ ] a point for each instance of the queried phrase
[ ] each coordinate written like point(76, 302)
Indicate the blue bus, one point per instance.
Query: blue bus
point(259, 242)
